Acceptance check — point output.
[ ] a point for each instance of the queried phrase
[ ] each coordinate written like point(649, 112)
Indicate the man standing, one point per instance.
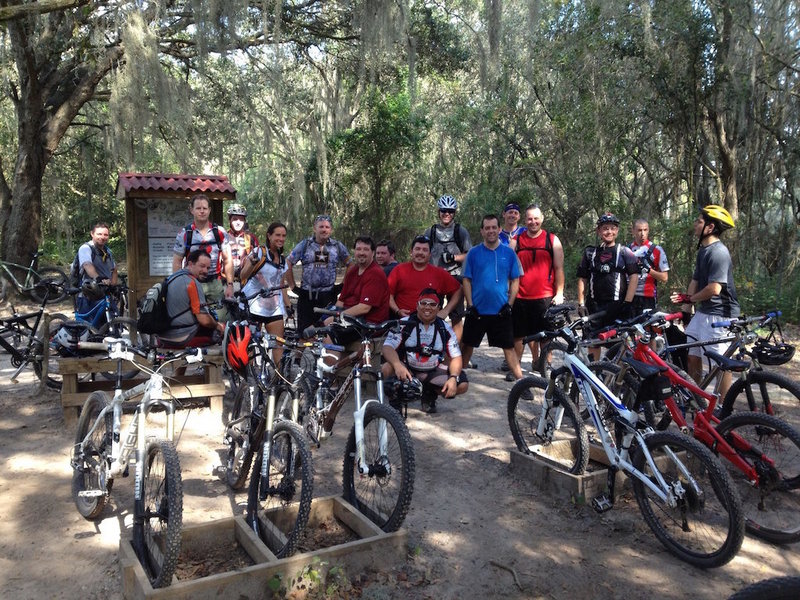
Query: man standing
point(711, 286)
point(240, 239)
point(653, 267)
point(410, 278)
point(450, 243)
point(202, 234)
point(491, 283)
point(319, 254)
point(426, 348)
point(511, 227)
point(365, 290)
point(541, 256)
point(95, 264)
point(191, 323)
point(384, 256)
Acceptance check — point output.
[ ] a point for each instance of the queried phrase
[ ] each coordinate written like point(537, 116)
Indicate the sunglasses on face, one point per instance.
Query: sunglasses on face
point(428, 303)
point(447, 211)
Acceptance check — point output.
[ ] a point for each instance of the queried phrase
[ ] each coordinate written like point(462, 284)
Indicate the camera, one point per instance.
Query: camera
point(427, 351)
point(605, 268)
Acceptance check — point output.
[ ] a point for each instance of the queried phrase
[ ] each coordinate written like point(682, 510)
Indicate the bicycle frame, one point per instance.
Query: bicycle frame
point(29, 271)
point(359, 359)
point(704, 420)
point(588, 383)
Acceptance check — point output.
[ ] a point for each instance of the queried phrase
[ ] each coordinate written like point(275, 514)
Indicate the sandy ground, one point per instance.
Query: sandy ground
point(469, 513)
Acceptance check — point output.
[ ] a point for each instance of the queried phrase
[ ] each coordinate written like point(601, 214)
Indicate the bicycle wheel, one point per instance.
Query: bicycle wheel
point(90, 484)
point(290, 479)
point(551, 356)
point(158, 516)
point(705, 527)
point(125, 328)
point(240, 453)
point(776, 588)
point(771, 508)
point(53, 274)
point(383, 491)
point(767, 391)
point(565, 443)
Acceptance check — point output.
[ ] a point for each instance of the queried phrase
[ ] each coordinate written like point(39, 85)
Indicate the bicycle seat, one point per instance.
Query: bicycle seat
point(643, 369)
point(728, 364)
point(372, 329)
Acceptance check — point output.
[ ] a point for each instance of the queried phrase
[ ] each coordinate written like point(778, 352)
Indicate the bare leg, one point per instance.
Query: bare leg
point(466, 354)
point(276, 328)
point(695, 366)
point(513, 362)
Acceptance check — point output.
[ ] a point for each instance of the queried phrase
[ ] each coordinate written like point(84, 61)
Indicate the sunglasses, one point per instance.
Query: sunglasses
point(449, 211)
point(323, 218)
point(428, 303)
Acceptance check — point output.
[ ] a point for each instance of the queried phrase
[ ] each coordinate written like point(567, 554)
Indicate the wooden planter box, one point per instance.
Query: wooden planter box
point(372, 548)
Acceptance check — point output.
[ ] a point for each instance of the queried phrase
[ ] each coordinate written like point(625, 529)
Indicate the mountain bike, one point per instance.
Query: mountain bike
point(22, 339)
point(685, 496)
point(258, 428)
point(761, 452)
point(378, 469)
point(30, 276)
point(103, 452)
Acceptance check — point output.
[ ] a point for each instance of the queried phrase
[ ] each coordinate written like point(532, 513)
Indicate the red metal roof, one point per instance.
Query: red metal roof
point(140, 182)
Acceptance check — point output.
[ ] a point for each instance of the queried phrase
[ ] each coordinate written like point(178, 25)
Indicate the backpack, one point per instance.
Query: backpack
point(458, 236)
point(75, 271)
point(411, 325)
point(153, 315)
point(187, 241)
point(548, 247)
point(264, 260)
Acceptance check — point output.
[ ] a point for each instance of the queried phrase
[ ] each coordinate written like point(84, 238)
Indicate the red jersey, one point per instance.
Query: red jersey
point(536, 257)
point(405, 283)
point(370, 288)
point(657, 259)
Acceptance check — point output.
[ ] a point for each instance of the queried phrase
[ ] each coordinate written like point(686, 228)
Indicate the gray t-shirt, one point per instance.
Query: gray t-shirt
point(714, 265)
point(180, 292)
point(444, 239)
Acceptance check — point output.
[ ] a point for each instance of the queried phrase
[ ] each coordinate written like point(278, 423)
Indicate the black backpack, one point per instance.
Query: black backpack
point(153, 314)
point(75, 271)
point(411, 325)
point(458, 236)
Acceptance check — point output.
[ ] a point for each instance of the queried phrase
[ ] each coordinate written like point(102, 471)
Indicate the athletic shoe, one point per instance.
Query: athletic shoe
point(505, 367)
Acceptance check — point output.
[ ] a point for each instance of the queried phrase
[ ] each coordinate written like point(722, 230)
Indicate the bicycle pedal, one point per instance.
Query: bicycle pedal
point(602, 503)
point(91, 494)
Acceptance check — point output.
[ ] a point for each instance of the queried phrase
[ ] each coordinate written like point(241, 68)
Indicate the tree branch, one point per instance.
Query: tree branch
point(17, 11)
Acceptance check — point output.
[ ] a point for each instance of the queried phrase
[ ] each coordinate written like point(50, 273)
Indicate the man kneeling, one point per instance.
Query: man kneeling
point(426, 348)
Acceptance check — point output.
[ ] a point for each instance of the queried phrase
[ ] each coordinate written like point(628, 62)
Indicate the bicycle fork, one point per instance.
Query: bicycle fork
point(263, 487)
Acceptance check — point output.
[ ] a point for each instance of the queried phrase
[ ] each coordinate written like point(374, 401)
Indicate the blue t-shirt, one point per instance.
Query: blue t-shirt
point(506, 237)
point(490, 273)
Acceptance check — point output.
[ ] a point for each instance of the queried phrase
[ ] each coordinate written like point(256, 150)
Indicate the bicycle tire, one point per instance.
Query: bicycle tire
point(125, 328)
point(53, 274)
point(570, 441)
point(382, 494)
point(551, 356)
point(240, 452)
point(775, 588)
point(716, 530)
point(767, 391)
point(291, 468)
point(89, 466)
point(54, 379)
point(772, 508)
point(158, 516)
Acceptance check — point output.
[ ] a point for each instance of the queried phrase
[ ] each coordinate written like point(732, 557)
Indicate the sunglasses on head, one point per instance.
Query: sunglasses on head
point(449, 211)
point(323, 218)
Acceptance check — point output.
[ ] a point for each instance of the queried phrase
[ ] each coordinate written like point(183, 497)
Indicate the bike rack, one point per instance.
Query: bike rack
point(374, 549)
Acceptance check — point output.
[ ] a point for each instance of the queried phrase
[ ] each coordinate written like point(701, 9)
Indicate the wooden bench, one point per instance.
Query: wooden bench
point(208, 384)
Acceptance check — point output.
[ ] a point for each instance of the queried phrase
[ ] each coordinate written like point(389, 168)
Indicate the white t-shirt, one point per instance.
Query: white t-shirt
point(268, 276)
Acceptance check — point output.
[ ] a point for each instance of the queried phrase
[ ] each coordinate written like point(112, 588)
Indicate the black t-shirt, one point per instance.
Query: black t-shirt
point(607, 269)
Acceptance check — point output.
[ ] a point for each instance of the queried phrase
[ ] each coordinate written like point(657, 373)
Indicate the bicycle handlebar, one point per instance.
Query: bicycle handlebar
point(744, 321)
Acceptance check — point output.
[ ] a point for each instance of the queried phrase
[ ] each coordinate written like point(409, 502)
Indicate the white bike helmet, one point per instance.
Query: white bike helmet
point(237, 209)
point(447, 202)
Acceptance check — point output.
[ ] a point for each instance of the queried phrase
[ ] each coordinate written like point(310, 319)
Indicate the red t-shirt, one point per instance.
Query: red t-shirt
point(405, 283)
point(371, 287)
point(538, 279)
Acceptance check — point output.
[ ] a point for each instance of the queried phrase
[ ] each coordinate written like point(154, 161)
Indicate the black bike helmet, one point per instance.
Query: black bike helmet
point(411, 389)
point(607, 218)
point(772, 354)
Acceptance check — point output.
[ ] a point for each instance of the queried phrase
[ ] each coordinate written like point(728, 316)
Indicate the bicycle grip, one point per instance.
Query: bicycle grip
point(327, 311)
point(607, 334)
point(725, 323)
point(773, 314)
point(676, 316)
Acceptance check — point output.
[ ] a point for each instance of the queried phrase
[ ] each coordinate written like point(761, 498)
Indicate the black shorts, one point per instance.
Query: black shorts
point(457, 314)
point(306, 304)
point(528, 316)
point(265, 320)
point(611, 309)
point(344, 335)
point(436, 378)
point(498, 329)
point(640, 304)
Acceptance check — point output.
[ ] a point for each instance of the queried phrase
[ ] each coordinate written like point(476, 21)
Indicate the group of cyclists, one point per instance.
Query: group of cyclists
point(449, 294)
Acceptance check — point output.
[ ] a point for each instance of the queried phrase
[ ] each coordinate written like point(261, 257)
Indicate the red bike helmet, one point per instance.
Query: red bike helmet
point(236, 344)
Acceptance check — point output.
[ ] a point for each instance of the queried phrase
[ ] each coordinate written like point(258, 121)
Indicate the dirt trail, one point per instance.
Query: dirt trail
point(472, 521)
